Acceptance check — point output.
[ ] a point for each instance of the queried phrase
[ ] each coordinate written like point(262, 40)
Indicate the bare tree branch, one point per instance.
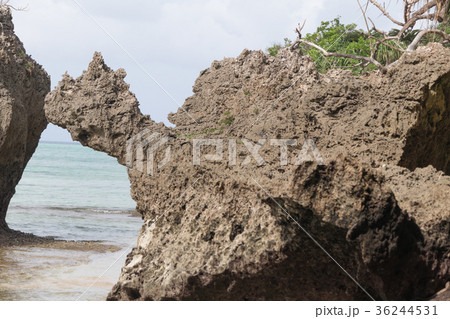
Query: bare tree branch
point(409, 4)
point(383, 42)
point(420, 35)
point(442, 11)
point(385, 38)
point(299, 29)
point(299, 35)
point(385, 13)
point(424, 12)
point(414, 10)
point(343, 55)
point(367, 25)
point(418, 15)
point(407, 10)
point(5, 3)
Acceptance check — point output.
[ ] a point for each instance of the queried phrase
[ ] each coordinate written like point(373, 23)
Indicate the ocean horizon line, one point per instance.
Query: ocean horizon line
point(60, 142)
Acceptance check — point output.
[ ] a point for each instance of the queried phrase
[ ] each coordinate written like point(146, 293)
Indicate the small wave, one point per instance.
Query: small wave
point(75, 209)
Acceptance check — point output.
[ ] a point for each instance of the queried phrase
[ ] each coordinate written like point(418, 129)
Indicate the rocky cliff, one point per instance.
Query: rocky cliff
point(365, 214)
point(23, 87)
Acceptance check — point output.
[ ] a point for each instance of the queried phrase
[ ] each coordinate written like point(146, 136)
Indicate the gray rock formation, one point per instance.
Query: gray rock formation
point(219, 231)
point(23, 87)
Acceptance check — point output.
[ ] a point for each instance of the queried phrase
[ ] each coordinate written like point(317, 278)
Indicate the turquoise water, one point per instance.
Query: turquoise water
point(70, 175)
point(69, 192)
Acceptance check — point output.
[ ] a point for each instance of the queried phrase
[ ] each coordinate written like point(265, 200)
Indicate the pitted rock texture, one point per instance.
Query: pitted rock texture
point(239, 230)
point(23, 87)
point(99, 110)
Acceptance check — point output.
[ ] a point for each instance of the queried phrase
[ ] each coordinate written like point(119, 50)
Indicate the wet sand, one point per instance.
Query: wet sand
point(19, 239)
point(10, 238)
point(38, 268)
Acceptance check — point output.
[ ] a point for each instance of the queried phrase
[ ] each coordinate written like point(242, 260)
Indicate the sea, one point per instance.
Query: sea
point(72, 193)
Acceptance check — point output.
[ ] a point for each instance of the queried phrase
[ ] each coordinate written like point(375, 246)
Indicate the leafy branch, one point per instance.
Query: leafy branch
point(433, 11)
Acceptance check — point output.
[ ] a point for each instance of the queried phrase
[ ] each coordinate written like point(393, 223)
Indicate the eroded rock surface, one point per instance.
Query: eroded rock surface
point(239, 230)
point(23, 87)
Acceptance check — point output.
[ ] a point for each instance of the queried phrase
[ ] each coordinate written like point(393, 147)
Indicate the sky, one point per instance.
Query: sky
point(165, 43)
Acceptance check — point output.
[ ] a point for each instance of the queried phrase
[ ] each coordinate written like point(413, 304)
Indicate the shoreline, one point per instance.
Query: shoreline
point(13, 238)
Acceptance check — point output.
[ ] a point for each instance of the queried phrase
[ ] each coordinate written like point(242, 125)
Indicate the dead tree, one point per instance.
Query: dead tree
point(432, 11)
point(5, 3)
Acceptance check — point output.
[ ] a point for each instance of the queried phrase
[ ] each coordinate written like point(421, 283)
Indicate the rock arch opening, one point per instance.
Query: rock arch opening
point(81, 198)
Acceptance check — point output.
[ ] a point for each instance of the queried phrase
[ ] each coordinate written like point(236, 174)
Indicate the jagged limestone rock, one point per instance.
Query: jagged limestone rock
point(23, 87)
point(219, 231)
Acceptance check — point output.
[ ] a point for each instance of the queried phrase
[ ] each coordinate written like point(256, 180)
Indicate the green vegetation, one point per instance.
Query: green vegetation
point(207, 131)
point(273, 50)
point(256, 111)
point(335, 36)
point(444, 26)
point(247, 92)
point(227, 121)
